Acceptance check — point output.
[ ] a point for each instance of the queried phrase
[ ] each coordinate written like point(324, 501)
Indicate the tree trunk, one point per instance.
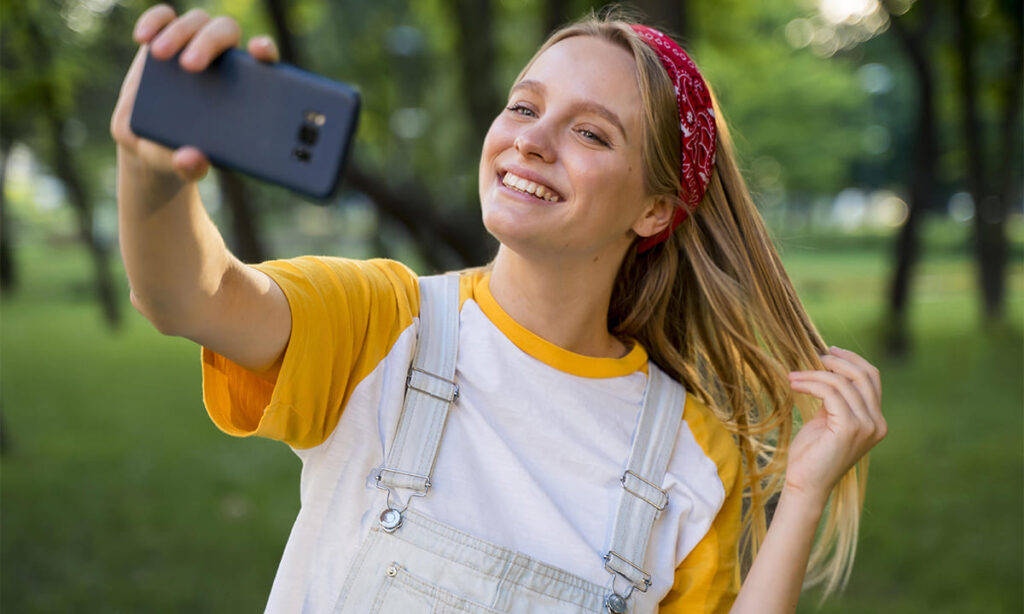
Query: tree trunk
point(476, 63)
point(669, 14)
point(8, 271)
point(80, 201)
point(1010, 154)
point(989, 209)
point(67, 171)
point(922, 181)
point(285, 41)
point(556, 13)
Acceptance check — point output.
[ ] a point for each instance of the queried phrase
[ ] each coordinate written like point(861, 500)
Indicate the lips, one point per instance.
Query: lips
point(528, 183)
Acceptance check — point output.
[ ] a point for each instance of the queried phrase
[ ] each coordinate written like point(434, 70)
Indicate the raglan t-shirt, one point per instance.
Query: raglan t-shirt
point(531, 454)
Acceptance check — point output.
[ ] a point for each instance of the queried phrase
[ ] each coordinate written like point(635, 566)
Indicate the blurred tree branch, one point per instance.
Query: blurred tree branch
point(450, 239)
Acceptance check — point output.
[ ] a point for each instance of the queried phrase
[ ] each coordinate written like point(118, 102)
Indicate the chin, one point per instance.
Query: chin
point(503, 226)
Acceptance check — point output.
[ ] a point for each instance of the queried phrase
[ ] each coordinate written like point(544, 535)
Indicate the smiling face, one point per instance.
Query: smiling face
point(561, 172)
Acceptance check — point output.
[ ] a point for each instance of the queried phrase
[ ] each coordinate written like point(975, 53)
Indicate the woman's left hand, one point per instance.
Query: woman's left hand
point(849, 424)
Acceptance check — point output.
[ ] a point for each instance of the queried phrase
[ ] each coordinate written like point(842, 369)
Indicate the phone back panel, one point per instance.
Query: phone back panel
point(272, 121)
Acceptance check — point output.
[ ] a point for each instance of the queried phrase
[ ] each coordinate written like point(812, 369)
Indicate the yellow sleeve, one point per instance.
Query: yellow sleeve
point(708, 579)
point(346, 316)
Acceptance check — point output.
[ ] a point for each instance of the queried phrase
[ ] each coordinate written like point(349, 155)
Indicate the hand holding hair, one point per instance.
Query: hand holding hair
point(828, 445)
point(849, 424)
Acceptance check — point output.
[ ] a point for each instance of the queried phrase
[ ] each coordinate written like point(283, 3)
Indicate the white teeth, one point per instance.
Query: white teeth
point(524, 185)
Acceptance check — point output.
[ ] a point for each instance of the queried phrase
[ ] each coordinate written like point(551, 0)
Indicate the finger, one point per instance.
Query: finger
point(840, 419)
point(173, 37)
point(860, 378)
point(190, 163)
point(870, 369)
point(836, 405)
point(833, 402)
point(151, 22)
point(264, 49)
point(836, 414)
point(216, 36)
point(843, 387)
point(119, 121)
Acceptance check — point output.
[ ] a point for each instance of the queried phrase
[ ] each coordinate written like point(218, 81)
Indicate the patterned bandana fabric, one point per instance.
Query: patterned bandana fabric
point(696, 125)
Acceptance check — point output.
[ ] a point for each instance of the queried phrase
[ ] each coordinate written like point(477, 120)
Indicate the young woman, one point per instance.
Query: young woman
point(634, 278)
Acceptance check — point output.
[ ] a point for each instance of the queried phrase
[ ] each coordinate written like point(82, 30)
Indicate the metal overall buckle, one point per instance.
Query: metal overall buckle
point(615, 602)
point(393, 515)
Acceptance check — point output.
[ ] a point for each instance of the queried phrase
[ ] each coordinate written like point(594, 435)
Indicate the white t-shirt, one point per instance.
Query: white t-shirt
point(531, 454)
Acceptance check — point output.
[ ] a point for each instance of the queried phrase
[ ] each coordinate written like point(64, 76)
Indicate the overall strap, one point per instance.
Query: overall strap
point(642, 497)
point(430, 391)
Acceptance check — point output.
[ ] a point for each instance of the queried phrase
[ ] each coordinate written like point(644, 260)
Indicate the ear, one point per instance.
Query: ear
point(655, 217)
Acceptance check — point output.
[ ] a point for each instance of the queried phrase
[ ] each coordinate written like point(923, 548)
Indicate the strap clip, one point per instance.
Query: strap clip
point(416, 492)
point(432, 385)
point(662, 500)
point(612, 563)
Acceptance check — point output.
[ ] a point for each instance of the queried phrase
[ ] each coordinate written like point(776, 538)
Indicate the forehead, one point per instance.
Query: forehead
point(590, 69)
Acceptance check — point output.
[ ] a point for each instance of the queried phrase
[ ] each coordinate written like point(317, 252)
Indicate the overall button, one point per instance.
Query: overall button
point(390, 519)
point(615, 604)
point(391, 571)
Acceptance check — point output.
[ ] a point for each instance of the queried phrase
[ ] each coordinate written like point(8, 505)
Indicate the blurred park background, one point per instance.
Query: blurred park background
point(881, 139)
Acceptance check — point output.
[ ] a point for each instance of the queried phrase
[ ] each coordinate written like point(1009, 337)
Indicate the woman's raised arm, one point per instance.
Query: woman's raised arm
point(182, 276)
point(849, 424)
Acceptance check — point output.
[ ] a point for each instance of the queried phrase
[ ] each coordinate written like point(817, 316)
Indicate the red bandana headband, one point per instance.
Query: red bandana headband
point(696, 125)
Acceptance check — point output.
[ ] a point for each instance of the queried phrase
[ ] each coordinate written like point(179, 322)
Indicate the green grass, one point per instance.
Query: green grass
point(942, 525)
point(119, 495)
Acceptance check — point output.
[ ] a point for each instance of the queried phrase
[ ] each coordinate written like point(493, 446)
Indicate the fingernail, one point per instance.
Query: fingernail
point(835, 348)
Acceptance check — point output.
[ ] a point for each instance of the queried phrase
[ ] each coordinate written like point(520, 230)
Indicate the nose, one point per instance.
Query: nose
point(535, 142)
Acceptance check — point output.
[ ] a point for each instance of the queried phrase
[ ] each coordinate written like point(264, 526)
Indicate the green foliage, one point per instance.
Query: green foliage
point(797, 118)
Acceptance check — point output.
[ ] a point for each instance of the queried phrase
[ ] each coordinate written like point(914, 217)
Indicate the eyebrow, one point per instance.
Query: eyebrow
point(578, 106)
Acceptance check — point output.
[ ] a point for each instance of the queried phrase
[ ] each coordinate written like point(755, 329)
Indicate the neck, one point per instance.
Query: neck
point(565, 302)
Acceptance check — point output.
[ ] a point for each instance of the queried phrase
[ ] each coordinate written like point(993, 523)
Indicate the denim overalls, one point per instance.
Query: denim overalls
point(411, 564)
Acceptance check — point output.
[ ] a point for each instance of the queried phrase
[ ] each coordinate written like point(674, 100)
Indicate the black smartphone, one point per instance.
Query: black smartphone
point(274, 122)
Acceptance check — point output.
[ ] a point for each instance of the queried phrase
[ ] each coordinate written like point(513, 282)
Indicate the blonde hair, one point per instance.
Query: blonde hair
point(715, 310)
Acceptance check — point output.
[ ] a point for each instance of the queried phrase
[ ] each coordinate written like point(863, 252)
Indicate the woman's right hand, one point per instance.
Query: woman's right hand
point(200, 39)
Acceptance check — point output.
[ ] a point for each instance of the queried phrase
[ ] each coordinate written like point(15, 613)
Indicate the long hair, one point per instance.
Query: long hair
point(717, 312)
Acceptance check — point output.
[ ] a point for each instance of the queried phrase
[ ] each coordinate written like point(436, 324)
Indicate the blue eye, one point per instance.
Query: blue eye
point(587, 134)
point(521, 110)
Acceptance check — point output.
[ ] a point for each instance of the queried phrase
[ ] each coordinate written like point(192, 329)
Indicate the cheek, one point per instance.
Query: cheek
point(499, 137)
point(613, 192)
point(612, 181)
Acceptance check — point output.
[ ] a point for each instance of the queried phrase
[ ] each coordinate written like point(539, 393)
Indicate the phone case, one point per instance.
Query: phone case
point(274, 122)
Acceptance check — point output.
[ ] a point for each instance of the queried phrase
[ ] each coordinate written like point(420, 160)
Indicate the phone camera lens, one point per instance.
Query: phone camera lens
point(301, 154)
point(308, 134)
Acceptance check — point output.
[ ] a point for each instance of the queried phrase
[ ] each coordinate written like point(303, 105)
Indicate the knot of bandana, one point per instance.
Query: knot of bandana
point(696, 126)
